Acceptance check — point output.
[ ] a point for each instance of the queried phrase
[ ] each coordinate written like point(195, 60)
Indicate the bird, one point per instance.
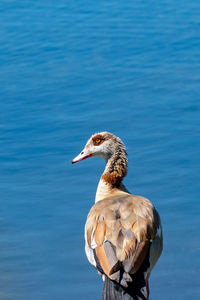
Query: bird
point(123, 231)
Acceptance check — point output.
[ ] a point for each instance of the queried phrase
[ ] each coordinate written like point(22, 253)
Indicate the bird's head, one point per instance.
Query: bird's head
point(103, 144)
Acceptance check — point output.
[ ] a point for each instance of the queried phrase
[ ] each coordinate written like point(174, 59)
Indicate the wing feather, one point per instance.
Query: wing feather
point(120, 229)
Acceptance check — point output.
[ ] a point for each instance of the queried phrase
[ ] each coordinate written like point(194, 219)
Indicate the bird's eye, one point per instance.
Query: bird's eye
point(97, 141)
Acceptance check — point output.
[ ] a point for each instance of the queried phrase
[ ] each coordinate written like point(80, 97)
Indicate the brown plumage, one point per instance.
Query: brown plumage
point(123, 231)
point(128, 222)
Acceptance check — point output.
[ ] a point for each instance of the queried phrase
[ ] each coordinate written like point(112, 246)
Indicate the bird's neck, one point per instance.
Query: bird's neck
point(112, 177)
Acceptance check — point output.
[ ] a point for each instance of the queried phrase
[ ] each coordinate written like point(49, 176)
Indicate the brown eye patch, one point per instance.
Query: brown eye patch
point(97, 140)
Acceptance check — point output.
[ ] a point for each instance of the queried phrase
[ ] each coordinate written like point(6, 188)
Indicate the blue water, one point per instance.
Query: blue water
point(72, 68)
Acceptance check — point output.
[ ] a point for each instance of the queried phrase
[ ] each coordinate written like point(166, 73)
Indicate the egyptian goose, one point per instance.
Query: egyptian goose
point(123, 234)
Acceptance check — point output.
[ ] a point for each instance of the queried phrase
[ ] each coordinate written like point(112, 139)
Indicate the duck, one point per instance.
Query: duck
point(123, 231)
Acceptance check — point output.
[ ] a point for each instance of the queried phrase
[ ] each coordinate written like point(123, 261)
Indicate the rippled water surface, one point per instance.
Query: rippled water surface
point(72, 68)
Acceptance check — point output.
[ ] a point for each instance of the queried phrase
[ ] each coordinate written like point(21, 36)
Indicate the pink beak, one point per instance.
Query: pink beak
point(83, 155)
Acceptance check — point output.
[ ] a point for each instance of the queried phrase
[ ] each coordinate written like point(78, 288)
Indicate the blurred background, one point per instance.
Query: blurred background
point(73, 68)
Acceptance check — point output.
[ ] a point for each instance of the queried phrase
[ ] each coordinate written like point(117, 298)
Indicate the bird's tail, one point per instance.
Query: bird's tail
point(136, 289)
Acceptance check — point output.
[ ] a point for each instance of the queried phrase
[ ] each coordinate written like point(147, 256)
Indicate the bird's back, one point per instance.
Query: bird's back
point(121, 230)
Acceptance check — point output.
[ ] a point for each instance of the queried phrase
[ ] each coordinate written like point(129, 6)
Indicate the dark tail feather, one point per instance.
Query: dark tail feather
point(136, 289)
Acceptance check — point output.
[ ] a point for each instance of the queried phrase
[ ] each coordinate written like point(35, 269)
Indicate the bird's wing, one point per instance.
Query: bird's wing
point(120, 230)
